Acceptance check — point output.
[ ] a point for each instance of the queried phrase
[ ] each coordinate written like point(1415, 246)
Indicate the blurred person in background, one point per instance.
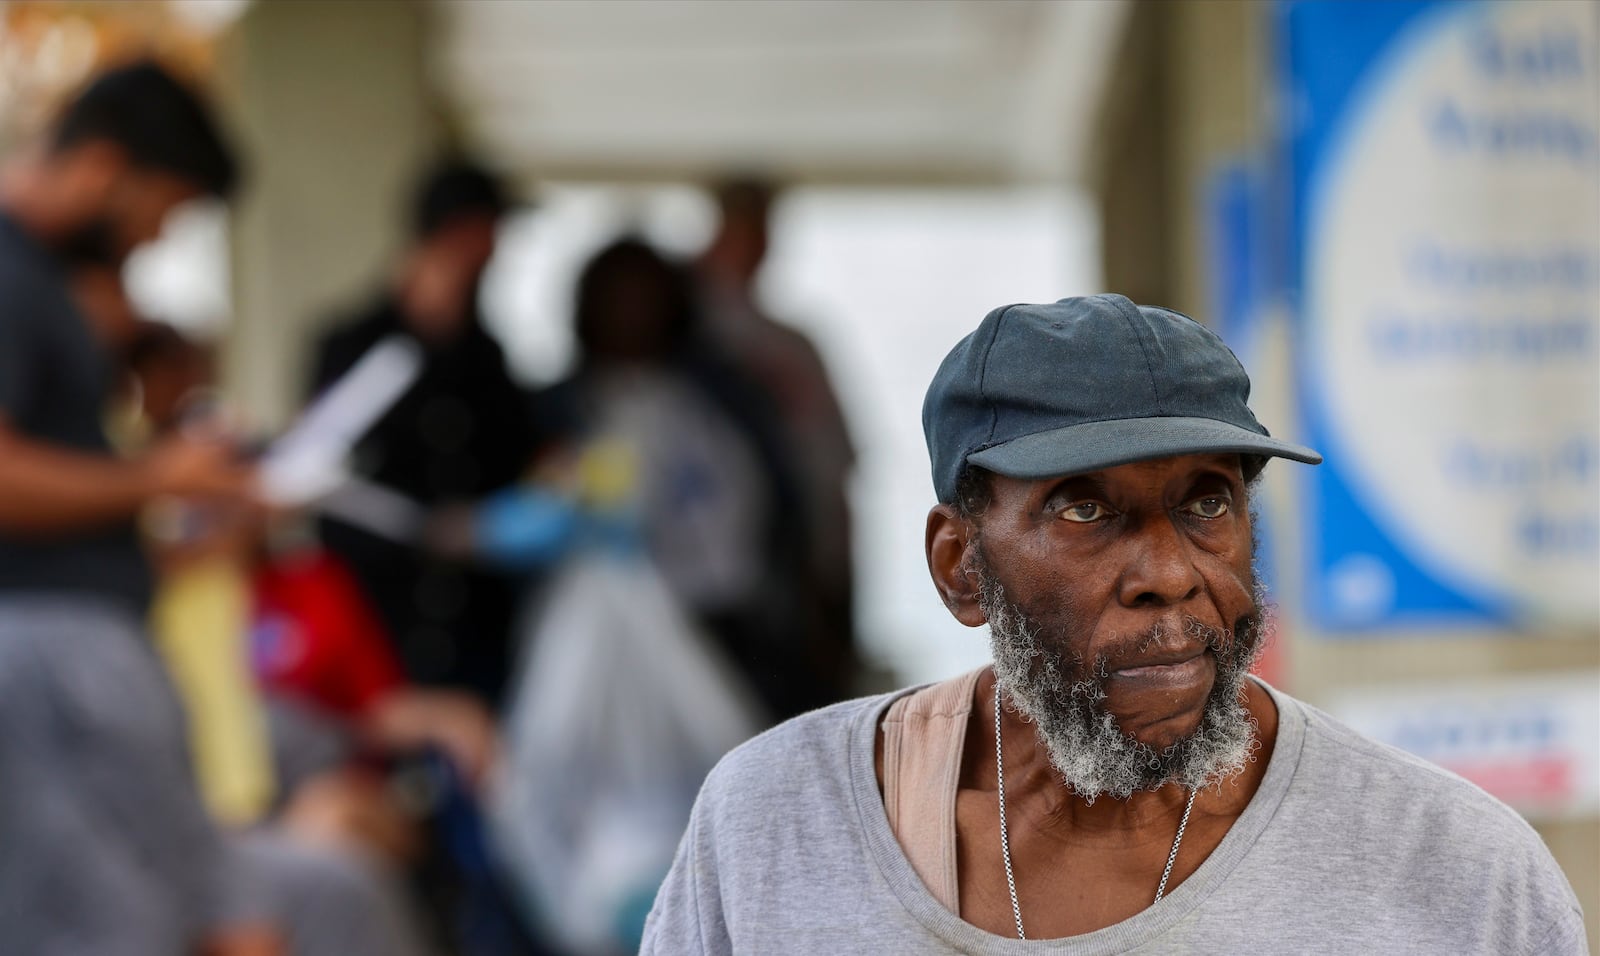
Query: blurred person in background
point(200, 595)
point(340, 660)
point(108, 848)
point(317, 872)
point(460, 433)
point(316, 753)
point(807, 422)
point(717, 503)
point(314, 642)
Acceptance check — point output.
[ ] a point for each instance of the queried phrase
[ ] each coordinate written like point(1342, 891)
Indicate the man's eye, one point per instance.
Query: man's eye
point(1212, 507)
point(1084, 511)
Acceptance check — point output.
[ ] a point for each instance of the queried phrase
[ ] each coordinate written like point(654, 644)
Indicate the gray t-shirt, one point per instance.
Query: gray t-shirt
point(54, 382)
point(1348, 846)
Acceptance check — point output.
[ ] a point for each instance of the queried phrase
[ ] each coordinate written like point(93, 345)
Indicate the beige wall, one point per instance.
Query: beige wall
point(331, 104)
point(1190, 94)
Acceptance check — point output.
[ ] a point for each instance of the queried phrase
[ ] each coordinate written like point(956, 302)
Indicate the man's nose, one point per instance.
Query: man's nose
point(1159, 569)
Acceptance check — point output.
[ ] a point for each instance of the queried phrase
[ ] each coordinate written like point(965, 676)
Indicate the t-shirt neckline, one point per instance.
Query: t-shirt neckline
point(1142, 928)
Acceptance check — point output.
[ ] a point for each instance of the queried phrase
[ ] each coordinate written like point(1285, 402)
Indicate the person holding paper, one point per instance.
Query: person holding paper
point(459, 433)
point(108, 848)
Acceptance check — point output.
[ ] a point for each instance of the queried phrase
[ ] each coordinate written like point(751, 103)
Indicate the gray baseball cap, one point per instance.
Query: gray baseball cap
point(1085, 384)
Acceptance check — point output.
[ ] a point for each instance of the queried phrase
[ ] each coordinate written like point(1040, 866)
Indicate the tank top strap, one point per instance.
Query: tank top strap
point(924, 733)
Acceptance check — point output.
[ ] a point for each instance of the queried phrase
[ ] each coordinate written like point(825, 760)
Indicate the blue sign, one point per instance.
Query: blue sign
point(1444, 271)
point(1239, 266)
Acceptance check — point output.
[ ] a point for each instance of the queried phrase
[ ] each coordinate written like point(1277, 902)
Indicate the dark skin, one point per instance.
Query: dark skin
point(1094, 559)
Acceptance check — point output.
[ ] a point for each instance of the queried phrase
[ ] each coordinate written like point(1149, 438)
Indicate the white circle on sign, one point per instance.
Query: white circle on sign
point(1453, 297)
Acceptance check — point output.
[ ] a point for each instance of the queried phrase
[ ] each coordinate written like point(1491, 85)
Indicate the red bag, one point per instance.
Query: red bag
point(315, 637)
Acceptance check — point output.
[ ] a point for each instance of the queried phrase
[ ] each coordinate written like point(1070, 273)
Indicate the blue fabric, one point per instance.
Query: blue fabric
point(524, 527)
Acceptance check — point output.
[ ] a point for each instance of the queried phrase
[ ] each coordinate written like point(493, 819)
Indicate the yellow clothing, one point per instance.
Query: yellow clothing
point(200, 620)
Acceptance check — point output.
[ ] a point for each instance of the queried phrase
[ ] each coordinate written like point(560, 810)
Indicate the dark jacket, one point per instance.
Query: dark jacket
point(460, 432)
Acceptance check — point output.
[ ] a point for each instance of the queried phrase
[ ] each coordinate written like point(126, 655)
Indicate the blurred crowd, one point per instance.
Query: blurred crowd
point(457, 697)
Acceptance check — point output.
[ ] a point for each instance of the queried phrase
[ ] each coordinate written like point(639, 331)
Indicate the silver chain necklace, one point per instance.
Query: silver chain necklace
point(1005, 841)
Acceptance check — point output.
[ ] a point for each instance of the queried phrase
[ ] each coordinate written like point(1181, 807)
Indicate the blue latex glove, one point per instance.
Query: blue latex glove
point(523, 527)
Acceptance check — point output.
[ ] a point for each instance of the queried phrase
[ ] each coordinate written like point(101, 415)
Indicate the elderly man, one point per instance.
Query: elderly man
point(1116, 781)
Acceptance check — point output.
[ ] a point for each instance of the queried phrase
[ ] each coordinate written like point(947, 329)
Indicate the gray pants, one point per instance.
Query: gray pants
point(327, 901)
point(105, 846)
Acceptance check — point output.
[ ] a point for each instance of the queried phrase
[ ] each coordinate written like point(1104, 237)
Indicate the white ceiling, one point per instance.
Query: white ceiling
point(817, 90)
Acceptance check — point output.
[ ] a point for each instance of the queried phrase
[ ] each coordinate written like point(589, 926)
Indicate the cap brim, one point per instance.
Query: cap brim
point(1093, 446)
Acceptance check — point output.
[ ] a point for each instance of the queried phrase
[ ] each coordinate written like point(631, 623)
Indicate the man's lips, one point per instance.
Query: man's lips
point(1168, 670)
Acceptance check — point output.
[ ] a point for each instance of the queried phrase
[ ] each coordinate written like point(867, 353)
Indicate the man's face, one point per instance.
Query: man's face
point(443, 274)
point(116, 205)
point(138, 208)
point(469, 241)
point(1124, 615)
point(745, 233)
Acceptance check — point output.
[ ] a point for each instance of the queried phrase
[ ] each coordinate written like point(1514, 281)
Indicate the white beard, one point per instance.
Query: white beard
point(1085, 744)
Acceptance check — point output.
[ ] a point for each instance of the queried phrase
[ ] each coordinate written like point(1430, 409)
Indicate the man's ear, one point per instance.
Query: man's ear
point(951, 544)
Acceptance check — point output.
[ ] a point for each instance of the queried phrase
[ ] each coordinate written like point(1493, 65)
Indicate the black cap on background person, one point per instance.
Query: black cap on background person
point(456, 189)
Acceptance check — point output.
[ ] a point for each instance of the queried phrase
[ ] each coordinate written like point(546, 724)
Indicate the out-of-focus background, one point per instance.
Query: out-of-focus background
point(1391, 211)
